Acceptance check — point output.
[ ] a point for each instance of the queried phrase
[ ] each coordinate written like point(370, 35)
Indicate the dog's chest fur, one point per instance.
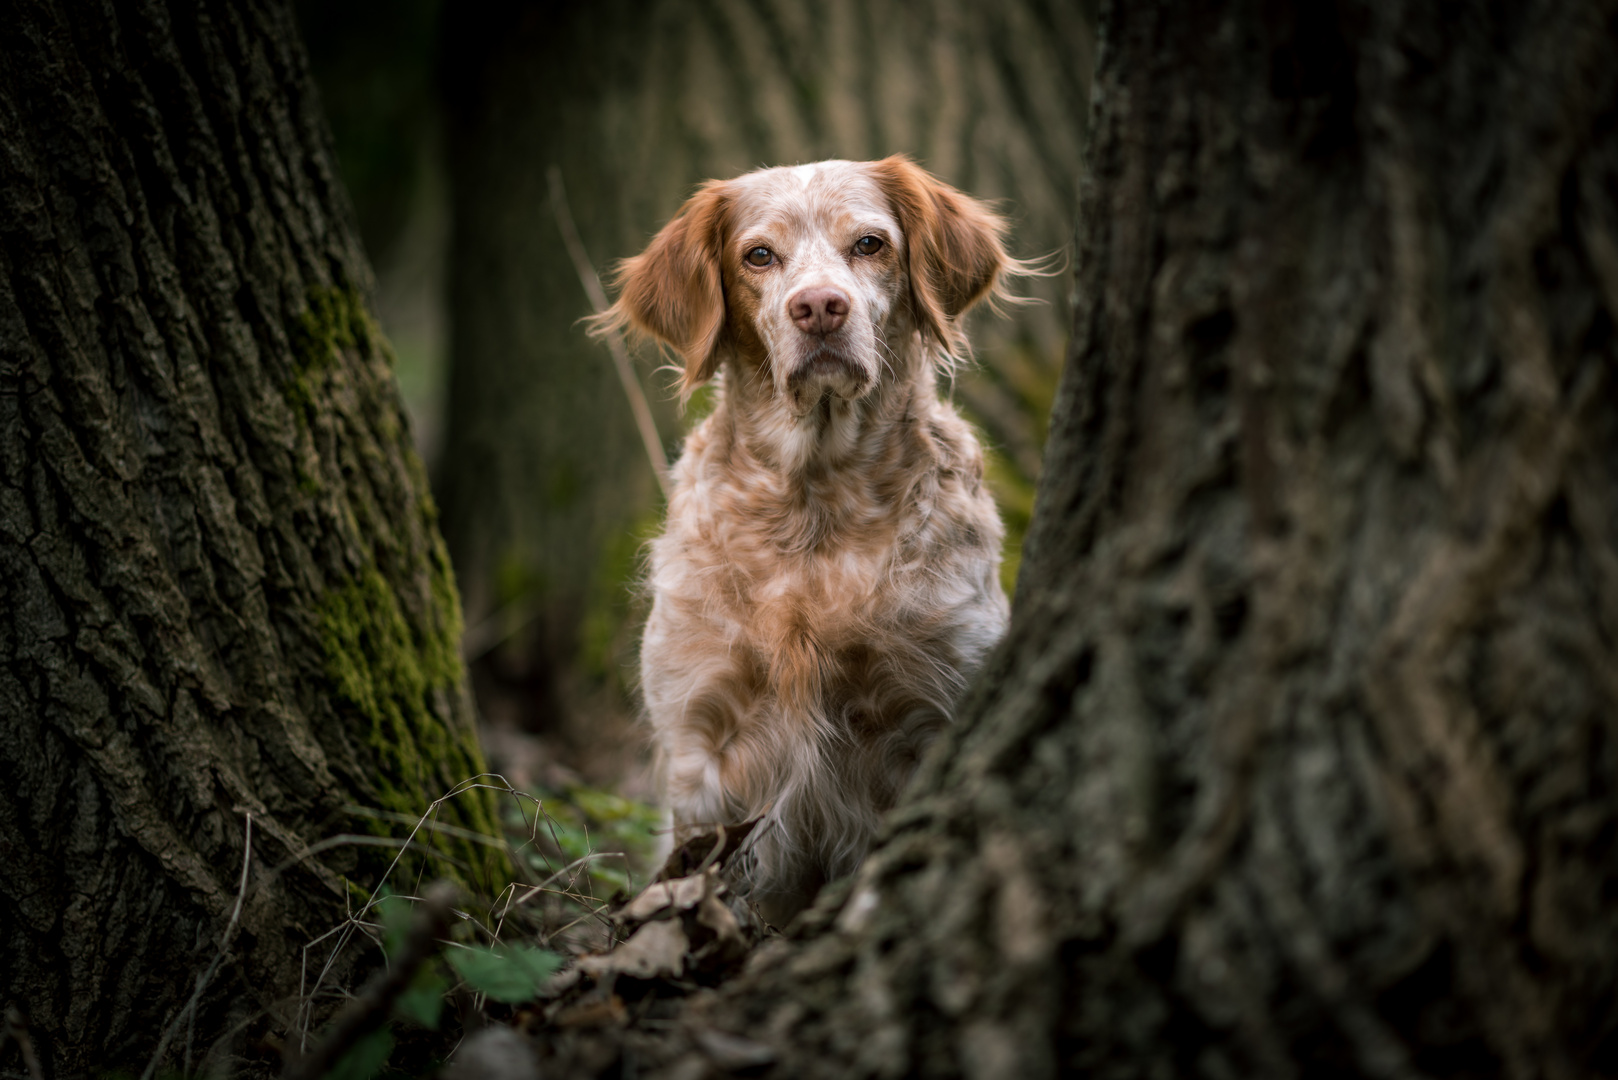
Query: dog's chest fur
point(810, 632)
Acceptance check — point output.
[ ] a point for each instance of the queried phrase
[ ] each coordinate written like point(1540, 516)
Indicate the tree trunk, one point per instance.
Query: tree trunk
point(1299, 758)
point(636, 102)
point(224, 592)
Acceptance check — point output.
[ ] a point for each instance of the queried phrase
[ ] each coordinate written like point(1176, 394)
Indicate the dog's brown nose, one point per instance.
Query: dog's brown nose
point(819, 311)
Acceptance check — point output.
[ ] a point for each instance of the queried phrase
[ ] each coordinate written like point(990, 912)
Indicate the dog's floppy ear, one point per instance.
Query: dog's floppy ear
point(954, 247)
point(672, 291)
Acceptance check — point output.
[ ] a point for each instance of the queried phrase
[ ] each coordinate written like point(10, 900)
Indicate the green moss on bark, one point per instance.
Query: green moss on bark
point(383, 667)
point(401, 676)
point(391, 633)
point(335, 319)
point(332, 321)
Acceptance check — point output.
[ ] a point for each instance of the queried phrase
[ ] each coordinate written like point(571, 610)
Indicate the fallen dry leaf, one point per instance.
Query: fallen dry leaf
point(598, 1012)
point(495, 1053)
point(680, 894)
point(698, 850)
point(728, 939)
point(656, 950)
point(733, 1052)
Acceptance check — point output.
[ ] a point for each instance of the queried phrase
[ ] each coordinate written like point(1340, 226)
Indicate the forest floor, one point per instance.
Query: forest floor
point(587, 964)
point(555, 981)
point(635, 1006)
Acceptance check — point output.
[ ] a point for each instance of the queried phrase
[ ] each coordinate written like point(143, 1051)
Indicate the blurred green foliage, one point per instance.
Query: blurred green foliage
point(509, 973)
point(1019, 382)
point(376, 64)
point(612, 613)
point(612, 839)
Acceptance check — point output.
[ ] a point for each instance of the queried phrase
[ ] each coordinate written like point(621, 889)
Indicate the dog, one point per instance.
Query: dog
point(827, 580)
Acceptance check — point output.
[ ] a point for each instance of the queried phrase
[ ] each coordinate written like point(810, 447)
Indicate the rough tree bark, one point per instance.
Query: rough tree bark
point(1299, 758)
point(638, 101)
point(222, 588)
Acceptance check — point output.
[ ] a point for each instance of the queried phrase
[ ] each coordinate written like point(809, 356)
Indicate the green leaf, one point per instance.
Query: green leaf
point(422, 1004)
point(365, 1058)
point(511, 976)
point(603, 806)
point(393, 912)
point(613, 877)
point(571, 838)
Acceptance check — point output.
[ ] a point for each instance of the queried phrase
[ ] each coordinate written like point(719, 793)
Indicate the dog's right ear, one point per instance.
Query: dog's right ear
point(672, 291)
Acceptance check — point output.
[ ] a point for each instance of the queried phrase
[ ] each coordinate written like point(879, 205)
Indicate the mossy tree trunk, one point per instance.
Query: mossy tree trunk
point(1300, 757)
point(222, 588)
point(636, 102)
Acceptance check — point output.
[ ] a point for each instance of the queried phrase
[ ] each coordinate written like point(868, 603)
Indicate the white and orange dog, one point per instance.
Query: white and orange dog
point(827, 580)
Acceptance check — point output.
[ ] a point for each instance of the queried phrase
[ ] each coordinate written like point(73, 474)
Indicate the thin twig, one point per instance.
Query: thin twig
point(189, 1013)
point(718, 847)
point(498, 627)
point(431, 826)
point(570, 893)
point(344, 931)
point(615, 343)
point(369, 1010)
point(17, 1029)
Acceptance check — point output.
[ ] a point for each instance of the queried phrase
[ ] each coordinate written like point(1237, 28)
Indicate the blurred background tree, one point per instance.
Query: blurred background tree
point(376, 65)
point(546, 489)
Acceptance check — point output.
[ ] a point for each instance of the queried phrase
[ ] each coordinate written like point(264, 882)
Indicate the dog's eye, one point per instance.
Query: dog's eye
point(868, 245)
point(760, 256)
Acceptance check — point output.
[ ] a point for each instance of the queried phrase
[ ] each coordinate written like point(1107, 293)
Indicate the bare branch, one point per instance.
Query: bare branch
point(16, 1028)
point(615, 341)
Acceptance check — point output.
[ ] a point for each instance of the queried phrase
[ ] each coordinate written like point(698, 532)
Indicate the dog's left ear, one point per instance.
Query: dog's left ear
point(954, 247)
point(672, 291)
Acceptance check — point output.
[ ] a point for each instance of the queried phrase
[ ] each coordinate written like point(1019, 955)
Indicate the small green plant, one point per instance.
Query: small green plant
point(610, 839)
point(511, 975)
point(366, 1058)
point(572, 851)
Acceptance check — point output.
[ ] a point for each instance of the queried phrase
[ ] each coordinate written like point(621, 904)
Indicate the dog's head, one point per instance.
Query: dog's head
point(814, 275)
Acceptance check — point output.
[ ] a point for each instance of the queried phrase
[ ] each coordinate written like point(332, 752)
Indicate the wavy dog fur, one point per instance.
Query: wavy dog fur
point(828, 576)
